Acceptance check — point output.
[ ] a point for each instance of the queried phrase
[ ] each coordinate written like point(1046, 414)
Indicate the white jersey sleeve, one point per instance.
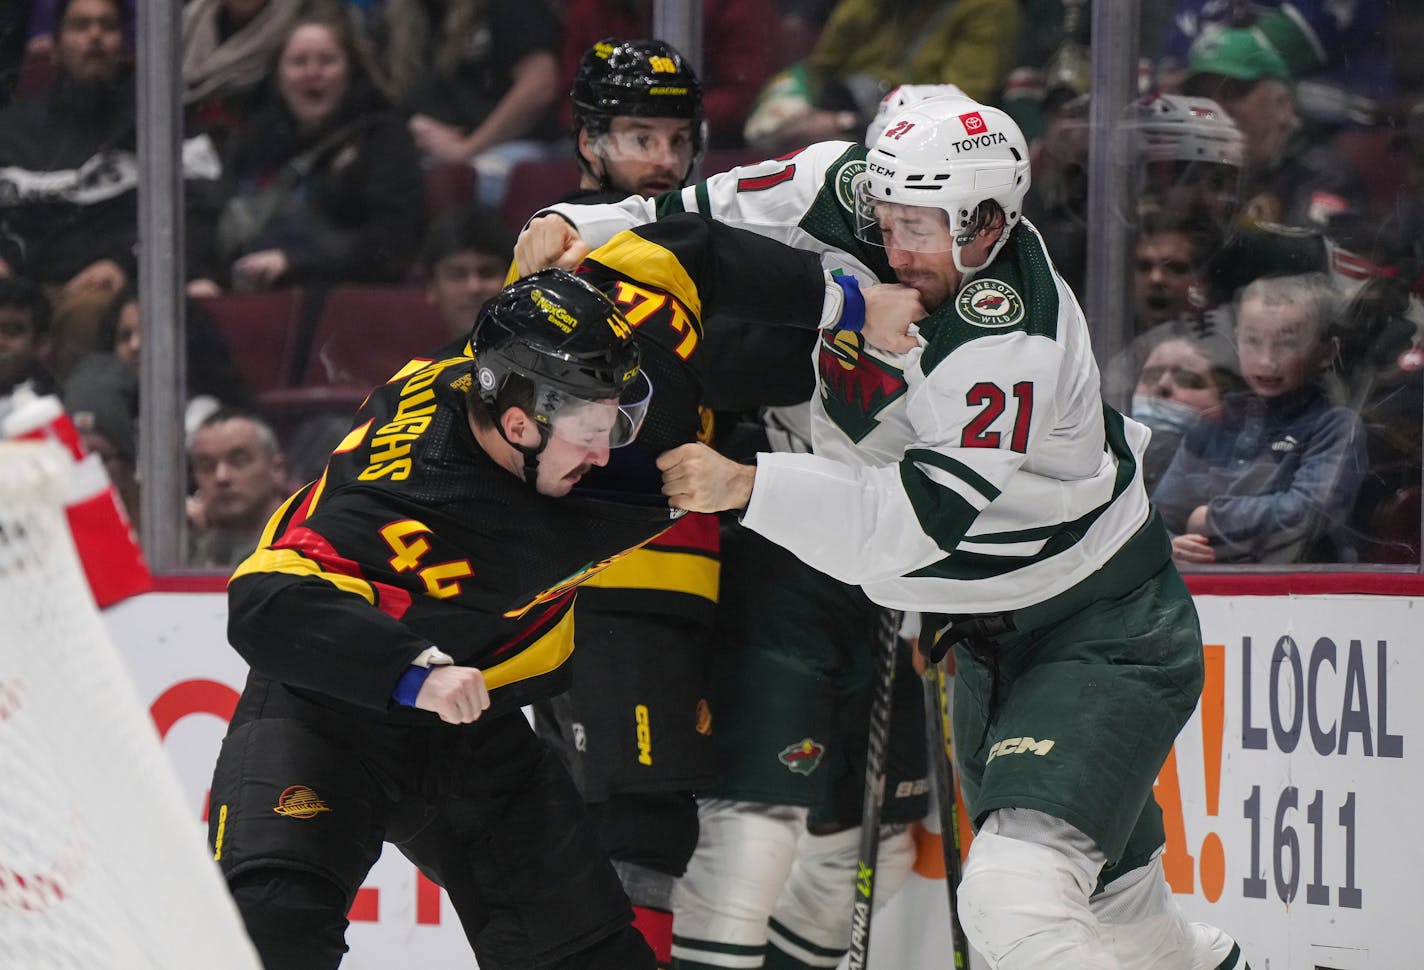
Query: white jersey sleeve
point(803, 200)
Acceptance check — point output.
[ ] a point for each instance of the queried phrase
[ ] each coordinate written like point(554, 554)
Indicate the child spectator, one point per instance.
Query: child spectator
point(466, 257)
point(1273, 478)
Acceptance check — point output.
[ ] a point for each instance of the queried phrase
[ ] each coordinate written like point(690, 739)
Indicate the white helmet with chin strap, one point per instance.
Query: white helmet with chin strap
point(950, 153)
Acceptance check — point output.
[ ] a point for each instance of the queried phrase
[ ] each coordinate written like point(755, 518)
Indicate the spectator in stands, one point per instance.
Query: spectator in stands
point(1291, 177)
point(737, 41)
point(1169, 281)
point(102, 399)
point(1339, 51)
point(241, 479)
point(229, 47)
point(1171, 299)
point(466, 257)
point(68, 196)
point(45, 17)
point(870, 46)
point(1274, 477)
point(325, 182)
point(479, 80)
point(1182, 380)
point(24, 337)
point(213, 377)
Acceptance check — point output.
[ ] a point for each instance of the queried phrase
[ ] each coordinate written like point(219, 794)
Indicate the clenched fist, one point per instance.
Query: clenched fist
point(698, 479)
point(457, 694)
point(549, 241)
point(890, 309)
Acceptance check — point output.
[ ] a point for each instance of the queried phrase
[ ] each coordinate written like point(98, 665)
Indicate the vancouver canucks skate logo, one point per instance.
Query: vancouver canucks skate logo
point(855, 386)
point(803, 756)
point(299, 801)
point(990, 303)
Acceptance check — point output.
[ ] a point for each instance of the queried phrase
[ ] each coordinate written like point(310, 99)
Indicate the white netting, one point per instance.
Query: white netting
point(101, 866)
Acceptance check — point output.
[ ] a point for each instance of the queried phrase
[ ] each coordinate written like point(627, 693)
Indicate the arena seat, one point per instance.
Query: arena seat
point(535, 184)
point(448, 186)
point(262, 331)
point(363, 335)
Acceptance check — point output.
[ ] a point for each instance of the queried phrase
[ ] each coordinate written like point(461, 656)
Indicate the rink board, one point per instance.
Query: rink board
point(1290, 799)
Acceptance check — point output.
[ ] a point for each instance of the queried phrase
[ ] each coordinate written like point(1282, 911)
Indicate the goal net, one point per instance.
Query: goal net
point(101, 866)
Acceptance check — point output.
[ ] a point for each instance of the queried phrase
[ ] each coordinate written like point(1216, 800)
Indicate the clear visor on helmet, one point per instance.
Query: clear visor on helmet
point(665, 141)
point(894, 225)
point(595, 424)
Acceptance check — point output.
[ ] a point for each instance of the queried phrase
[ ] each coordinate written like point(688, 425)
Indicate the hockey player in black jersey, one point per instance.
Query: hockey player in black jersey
point(400, 610)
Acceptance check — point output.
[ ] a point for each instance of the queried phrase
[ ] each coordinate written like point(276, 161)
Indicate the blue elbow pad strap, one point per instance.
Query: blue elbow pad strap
point(853, 313)
point(408, 687)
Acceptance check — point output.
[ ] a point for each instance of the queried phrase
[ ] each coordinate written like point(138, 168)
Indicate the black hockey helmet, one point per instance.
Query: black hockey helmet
point(645, 78)
point(570, 345)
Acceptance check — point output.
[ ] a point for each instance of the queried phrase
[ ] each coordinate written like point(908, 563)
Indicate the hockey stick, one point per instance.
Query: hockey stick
point(942, 759)
point(882, 693)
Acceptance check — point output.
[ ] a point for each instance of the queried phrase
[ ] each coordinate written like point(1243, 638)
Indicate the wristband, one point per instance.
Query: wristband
point(408, 687)
point(853, 312)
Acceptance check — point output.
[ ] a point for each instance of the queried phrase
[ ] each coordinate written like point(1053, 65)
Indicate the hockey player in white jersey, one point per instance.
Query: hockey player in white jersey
point(971, 468)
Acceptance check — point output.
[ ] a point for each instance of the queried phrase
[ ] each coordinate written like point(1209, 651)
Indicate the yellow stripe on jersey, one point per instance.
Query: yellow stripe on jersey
point(633, 256)
point(293, 563)
point(674, 572)
point(542, 656)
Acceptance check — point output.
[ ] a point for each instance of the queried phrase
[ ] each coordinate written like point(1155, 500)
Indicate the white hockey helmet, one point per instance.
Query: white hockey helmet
point(1186, 153)
point(1174, 127)
point(951, 153)
point(901, 96)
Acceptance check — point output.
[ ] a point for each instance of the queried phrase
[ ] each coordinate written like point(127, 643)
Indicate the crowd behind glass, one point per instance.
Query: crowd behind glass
point(354, 172)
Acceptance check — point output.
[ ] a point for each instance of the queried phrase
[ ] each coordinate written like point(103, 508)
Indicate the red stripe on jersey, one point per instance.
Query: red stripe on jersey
point(694, 532)
point(556, 609)
point(759, 182)
point(391, 600)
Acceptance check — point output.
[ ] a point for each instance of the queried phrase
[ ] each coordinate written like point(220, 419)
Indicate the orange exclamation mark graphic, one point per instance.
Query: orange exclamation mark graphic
point(1213, 722)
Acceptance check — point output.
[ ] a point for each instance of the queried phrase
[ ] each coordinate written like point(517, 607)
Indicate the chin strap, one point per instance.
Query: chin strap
point(531, 453)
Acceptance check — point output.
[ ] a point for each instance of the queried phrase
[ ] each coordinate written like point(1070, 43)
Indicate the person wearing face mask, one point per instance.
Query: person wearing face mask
point(1273, 478)
point(1182, 379)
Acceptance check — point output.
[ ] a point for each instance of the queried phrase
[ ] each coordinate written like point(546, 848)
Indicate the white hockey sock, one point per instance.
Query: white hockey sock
point(1023, 900)
point(811, 924)
point(721, 904)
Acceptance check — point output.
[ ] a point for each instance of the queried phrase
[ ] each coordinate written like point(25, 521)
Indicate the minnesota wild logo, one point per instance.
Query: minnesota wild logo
point(990, 303)
point(845, 182)
point(803, 756)
point(855, 386)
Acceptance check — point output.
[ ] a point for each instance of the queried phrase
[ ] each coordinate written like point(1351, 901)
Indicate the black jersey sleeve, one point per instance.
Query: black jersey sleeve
point(311, 634)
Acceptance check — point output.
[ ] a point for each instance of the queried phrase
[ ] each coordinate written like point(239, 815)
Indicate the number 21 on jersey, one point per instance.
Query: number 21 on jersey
point(992, 403)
